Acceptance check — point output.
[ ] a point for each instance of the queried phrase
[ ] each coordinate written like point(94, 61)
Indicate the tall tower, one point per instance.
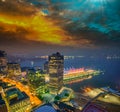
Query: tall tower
point(46, 67)
point(55, 68)
point(3, 62)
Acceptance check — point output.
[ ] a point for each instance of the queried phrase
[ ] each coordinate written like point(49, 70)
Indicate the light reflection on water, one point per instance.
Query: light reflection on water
point(111, 76)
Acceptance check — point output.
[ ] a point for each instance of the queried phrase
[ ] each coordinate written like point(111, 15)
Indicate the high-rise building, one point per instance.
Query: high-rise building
point(3, 62)
point(55, 68)
point(13, 100)
point(46, 67)
point(14, 69)
point(36, 81)
point(17, 101)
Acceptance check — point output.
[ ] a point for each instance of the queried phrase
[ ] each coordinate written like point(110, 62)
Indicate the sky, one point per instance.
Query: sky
point(37, 27)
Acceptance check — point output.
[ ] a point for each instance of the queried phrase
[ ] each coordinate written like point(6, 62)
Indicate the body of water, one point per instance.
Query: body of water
point(111, 68)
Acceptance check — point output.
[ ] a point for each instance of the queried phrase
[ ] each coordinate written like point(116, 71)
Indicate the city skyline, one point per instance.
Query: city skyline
point(59, 55)
point(38, 89)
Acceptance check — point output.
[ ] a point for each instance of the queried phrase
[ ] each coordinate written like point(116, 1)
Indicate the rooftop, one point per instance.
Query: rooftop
point(57, 55)
point(19, 96)
point(45, 108)
point(104, 100)
point(93, 108)
point(64, 106)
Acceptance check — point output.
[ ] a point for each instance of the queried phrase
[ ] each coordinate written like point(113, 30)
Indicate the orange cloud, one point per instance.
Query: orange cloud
point(35, 27)
point(39, 28)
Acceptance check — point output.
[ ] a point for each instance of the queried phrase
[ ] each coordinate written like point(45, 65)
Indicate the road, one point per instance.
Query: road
point(33, 99)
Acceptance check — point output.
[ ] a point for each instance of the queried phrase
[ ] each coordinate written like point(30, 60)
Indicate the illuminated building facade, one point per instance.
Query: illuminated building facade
point(55, 68)
point(3, 107)
point(17, 101)
point(3, 63)
point(14, 69)
point(36, 81)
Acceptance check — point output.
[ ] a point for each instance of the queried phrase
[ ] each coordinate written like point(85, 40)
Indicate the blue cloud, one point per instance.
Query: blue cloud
point(100, 15)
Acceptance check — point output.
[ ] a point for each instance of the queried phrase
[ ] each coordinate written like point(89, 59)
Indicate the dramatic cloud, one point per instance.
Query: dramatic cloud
point(16, 8)
point(80, 17)
point(32, 26)
point(73, 23)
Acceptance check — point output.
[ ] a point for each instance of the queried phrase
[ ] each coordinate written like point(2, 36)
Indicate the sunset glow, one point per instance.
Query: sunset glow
point(36, 28)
